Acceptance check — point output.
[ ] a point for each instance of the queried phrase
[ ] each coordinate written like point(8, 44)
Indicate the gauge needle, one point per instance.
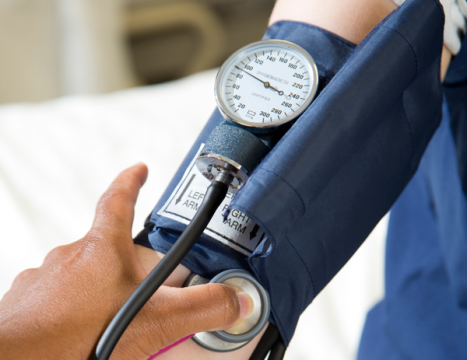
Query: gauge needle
point(267, 84)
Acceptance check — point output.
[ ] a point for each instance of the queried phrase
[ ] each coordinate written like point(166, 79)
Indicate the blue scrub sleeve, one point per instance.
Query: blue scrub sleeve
point(422, 315)
point(340, 167)
point(449, 188)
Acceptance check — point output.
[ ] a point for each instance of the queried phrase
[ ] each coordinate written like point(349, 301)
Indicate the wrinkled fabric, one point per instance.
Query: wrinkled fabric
point(340, 167)
point(424, 312)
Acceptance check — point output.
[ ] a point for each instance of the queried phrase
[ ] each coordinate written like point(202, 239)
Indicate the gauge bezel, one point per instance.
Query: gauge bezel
point(229, 115)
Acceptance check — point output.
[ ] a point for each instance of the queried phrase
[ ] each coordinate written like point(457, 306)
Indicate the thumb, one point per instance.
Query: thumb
point(115, 209)
point(174, 313)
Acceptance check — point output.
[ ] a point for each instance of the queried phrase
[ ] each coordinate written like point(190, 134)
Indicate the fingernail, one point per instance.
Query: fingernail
point(246, 304)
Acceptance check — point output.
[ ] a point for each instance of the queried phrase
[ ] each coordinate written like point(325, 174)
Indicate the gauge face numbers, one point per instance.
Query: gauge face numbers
point(266, 84)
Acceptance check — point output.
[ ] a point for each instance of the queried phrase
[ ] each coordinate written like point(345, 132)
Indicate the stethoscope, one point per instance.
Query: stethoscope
point(260, 90)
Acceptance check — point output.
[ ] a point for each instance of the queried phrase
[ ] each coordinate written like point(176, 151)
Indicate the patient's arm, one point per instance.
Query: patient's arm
point(350, 19)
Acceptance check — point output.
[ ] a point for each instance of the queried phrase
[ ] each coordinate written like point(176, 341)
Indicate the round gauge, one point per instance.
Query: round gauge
point(267, 83)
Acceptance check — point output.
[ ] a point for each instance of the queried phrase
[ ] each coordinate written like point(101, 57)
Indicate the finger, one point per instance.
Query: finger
point(115, 209)
point(173, 314)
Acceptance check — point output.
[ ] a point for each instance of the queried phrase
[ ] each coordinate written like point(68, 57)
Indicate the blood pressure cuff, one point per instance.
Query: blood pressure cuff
point(337, 171)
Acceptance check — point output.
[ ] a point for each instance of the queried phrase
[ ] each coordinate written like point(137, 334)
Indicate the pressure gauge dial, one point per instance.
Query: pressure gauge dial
point(266, 84)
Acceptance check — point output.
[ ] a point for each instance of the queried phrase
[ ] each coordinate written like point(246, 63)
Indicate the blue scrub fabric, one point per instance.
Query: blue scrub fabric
point(424, 312)
point(340, 167)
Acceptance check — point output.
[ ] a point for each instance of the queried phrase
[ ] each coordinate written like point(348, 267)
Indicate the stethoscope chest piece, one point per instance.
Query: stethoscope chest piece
point(241, 334)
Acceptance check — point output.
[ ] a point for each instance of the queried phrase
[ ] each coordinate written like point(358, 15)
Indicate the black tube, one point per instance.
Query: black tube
point(215, 194)
point(277, 351)
point(267, 341)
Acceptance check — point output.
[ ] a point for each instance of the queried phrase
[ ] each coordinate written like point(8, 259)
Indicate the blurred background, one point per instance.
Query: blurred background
point(90, 87)
point(50, 48)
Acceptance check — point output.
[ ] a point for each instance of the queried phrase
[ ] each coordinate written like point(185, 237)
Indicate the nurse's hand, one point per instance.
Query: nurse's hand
point(60, 310)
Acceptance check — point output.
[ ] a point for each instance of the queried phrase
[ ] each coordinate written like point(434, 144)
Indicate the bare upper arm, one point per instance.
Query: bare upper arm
point(350, 19)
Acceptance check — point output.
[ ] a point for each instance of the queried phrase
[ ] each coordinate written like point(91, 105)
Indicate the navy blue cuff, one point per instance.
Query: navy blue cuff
point(337, 171)
point(209, 257)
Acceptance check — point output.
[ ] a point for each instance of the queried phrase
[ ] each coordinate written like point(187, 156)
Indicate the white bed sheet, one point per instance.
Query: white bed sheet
point(57, 157)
